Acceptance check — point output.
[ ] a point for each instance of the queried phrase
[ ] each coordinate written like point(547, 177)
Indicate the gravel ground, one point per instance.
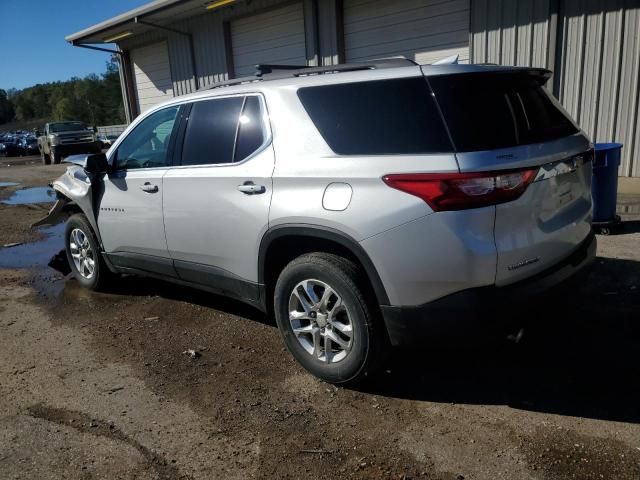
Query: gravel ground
point(96, 385)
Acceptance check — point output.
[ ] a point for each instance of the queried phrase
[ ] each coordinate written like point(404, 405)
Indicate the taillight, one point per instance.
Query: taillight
point(460, 191)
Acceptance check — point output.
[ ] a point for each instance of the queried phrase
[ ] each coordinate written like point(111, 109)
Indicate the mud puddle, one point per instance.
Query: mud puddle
point(35, 254)
point(27, 196)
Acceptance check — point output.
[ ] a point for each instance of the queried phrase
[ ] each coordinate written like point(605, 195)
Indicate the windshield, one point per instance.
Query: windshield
point(66, 127)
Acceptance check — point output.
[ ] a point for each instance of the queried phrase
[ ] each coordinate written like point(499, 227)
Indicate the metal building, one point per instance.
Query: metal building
point(173, 47)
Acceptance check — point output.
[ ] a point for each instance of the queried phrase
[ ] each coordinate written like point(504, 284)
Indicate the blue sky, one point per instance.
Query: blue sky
point(32, 45)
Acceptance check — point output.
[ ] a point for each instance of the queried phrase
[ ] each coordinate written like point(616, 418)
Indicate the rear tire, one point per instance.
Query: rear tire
point(320, 296)
point(56, 158)
point(83, 254)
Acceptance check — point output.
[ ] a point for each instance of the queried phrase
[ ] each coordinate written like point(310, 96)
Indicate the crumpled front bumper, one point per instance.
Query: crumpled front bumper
point(55, 214)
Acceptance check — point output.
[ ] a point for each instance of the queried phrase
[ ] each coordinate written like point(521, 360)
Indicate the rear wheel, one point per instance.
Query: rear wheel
point(83, 254)
point(327, 320)
point(46, 159)
point(56, 158)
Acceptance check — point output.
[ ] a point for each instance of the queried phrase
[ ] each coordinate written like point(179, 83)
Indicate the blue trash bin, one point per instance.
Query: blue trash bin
point(604, 186)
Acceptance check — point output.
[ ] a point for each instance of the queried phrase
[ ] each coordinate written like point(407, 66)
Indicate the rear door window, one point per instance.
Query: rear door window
point(397, 116)
point(250, 129)
point(211, 131)
point(223, 130)
point(487, 111)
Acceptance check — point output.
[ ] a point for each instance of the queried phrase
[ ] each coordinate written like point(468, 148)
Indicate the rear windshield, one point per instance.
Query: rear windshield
point(381, 117)
point(488, 111)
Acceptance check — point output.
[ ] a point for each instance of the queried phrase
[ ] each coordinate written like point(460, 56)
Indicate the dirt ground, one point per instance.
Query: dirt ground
point(97, 385)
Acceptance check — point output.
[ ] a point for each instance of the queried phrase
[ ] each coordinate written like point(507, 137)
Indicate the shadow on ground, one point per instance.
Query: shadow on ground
point(132, 285)
point(630, 226)
point(578, 356)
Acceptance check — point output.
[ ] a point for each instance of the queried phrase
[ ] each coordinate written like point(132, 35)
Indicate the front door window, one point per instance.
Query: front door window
point(147, 146)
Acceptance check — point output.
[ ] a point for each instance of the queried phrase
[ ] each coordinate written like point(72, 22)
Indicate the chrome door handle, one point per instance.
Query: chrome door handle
point(251, 188)
point(147, 187)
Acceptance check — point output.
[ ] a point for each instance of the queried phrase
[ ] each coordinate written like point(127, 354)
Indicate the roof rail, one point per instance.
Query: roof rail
point(263, 69)
point(266, 72)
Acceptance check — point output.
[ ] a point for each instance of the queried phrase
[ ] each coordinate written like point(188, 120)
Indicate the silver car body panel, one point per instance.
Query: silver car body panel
point(535, 155)
point(129, 218)
point(553, 215)
point(306, 166)
point(435, 255)
point(209, 221)
point(199, 216)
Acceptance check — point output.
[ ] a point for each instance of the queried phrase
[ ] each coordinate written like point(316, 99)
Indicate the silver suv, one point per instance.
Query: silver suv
point(361, 205)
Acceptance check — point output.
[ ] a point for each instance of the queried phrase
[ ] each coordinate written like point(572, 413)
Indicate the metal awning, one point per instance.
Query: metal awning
point(158, 12)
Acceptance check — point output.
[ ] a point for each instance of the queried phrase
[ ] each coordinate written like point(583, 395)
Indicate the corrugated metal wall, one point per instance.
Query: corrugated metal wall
point(599, 71)
point(421, 30)
point(593, 46)
point(275, 37)
point(511, 33)
point(208, 38)
point(152, 75)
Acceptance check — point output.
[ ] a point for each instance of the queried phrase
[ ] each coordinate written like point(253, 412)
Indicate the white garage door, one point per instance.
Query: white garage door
point(421, 30)
point(152, 75)
point(275, 37)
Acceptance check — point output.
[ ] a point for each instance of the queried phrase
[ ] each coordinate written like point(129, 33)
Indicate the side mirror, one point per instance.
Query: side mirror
point(96, 163)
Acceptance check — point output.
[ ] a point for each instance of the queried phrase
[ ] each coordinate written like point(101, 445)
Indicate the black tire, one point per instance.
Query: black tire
point(99, 280)
point(46, 159)
point(56, 158)
point(369, 343)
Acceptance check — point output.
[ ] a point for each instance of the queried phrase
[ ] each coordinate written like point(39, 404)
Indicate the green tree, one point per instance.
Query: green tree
point(64, 110)
point(95, 99)
point(6, 108)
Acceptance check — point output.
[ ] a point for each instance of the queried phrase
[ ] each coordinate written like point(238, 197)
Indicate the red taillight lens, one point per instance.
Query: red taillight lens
point(460, 191)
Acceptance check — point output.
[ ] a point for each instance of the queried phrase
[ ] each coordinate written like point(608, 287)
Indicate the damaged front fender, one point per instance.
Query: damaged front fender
point(74, 187)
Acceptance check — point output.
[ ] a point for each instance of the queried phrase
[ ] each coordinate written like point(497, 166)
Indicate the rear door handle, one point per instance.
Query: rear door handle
point(251, 188)
point(147, 187)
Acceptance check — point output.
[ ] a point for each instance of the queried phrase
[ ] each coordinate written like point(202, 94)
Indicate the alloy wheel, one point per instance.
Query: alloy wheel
point(320, 321)
point(82, 253)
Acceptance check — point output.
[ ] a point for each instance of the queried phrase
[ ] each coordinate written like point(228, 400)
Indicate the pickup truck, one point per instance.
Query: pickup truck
point(61, 139)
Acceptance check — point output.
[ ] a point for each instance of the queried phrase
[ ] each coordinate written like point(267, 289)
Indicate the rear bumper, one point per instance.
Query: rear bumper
point(470, 309)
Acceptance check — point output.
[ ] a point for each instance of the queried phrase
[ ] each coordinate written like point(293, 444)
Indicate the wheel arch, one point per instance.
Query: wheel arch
point(298, 239)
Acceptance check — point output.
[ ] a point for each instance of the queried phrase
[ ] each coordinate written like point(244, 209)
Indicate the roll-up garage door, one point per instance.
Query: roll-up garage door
point(421, 30)
point(275, 37)
point(152, 75)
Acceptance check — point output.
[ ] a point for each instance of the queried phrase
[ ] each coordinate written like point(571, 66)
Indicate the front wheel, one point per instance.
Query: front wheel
point(328, 320)
point(83, 254)
point(46, 159)
point(56, 158)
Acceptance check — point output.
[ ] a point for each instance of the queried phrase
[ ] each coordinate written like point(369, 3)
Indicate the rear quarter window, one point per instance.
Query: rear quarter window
point(383, 117)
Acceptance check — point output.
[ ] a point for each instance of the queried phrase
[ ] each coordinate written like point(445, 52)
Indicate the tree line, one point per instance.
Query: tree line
point(94, 99)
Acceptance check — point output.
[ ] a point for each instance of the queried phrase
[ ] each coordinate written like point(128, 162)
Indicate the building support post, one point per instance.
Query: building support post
point(124, 70)
point(339, 5)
